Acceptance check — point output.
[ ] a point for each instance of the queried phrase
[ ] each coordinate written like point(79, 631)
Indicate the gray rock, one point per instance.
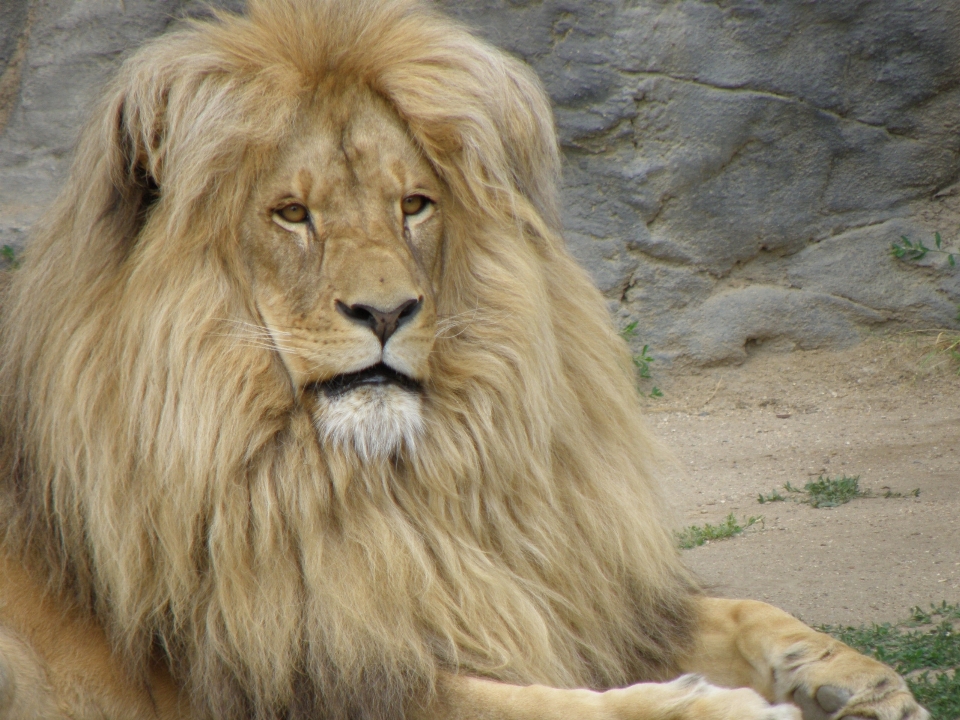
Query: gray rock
point(716, 142)
point(734, 172)
point(13, 20)
point(856, 265)
point(731, 320)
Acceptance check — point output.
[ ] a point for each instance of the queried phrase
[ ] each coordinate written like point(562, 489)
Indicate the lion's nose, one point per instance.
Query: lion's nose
point(384, 323)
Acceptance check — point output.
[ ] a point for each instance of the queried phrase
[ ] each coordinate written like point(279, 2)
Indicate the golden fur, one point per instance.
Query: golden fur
point(160, 469)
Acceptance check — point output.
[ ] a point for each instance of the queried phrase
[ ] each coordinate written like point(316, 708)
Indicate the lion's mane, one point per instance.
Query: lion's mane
point(158, 471)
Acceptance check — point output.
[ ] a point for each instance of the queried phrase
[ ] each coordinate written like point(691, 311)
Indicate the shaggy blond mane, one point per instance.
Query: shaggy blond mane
point(159, 472)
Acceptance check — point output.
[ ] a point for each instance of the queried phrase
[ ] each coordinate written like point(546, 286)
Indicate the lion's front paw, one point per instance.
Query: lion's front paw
point(845, 684)
point(690, 697)
point(709, 702)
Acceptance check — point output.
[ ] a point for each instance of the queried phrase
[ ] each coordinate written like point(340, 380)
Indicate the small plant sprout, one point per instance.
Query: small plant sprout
point(914, 251)
point(888, 493)
point(694, 536)
point(775, 496)
point(642, 360)
point(830, 492)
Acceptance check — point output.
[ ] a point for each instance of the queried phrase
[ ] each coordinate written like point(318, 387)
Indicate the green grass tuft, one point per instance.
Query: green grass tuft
point(775, 496)
point(829, 492)
point(924, 649)
point(694, 536)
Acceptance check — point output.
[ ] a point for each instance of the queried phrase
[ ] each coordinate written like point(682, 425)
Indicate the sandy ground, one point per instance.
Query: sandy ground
point(887, 411)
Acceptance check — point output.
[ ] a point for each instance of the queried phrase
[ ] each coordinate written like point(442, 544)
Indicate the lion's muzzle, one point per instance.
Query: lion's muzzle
point(375, 412)
point(379, 374)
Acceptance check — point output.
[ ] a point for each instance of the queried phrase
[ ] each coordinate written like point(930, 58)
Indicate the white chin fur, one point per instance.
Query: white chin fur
point(375, 421)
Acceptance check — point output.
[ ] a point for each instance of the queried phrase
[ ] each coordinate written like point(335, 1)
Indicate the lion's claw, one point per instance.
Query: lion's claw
point(831, 698)
point(831, 702)
point(837, 683)
point(824, 703)
point(716, 703)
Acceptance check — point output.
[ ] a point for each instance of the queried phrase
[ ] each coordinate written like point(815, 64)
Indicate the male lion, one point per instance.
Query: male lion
point(307, 413)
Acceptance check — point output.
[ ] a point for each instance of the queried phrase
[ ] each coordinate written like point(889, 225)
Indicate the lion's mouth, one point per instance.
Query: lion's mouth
point(379, 374)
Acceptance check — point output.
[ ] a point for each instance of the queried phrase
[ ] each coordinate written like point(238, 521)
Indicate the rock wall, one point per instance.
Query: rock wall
point(735, 170)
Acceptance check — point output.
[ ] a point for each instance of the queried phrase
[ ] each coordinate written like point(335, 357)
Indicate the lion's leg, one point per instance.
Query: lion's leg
point(687, 698)
point(745, 643)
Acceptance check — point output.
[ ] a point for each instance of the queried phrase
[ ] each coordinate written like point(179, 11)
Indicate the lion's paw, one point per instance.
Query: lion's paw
point(709, 702)
point(845, 685)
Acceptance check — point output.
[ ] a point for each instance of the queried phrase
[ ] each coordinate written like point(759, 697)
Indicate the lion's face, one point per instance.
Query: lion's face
point(342, 240)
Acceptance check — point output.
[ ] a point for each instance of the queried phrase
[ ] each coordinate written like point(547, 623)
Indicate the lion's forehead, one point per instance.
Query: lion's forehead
point(338, 160)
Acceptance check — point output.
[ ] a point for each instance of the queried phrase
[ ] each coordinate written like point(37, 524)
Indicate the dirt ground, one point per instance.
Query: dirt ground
point(885, 410)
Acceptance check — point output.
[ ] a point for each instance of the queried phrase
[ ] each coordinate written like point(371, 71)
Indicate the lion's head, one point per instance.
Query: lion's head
point(342, 239)
point(301, 392)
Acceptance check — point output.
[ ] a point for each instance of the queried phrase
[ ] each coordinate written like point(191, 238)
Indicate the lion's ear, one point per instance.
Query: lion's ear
point(132, 142)
point(117, 174)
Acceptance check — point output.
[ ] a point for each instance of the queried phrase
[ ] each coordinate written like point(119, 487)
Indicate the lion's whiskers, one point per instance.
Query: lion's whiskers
point(464, 320)
point(261, 338)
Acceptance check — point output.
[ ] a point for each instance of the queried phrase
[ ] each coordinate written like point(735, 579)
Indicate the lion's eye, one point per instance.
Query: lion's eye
point(413, 204)
point(294, 212)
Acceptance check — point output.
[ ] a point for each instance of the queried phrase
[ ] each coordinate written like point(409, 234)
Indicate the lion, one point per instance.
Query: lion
point(306, 412)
